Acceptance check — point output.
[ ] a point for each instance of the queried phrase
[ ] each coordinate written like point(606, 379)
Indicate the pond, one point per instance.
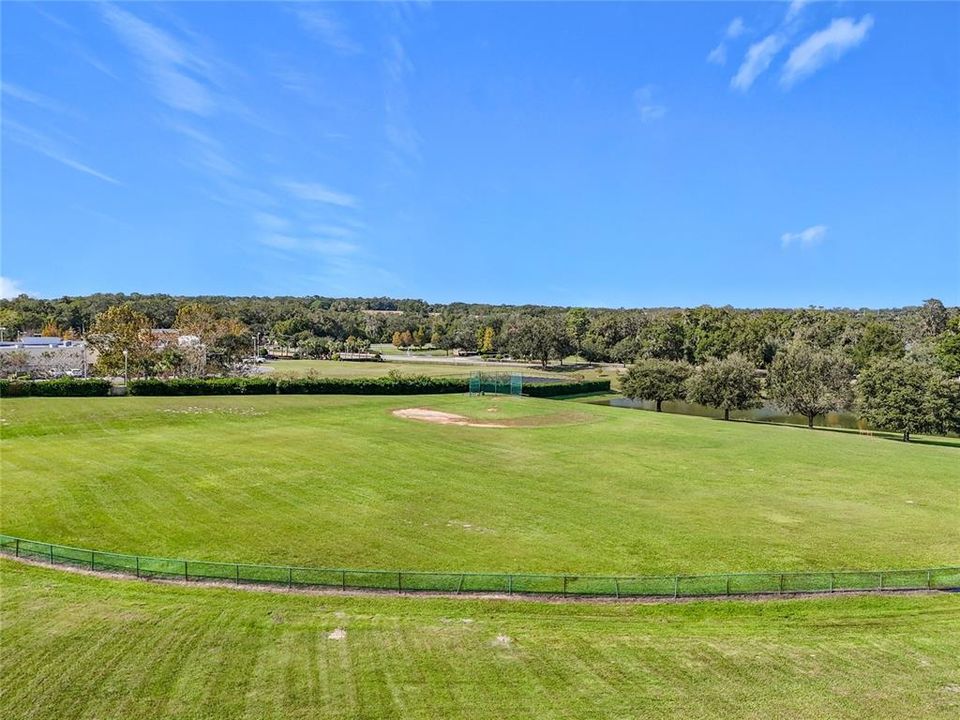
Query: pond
point(766, 413)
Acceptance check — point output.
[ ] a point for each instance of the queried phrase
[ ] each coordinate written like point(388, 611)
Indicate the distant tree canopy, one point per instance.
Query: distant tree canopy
point(692, 335)
point(878, 340)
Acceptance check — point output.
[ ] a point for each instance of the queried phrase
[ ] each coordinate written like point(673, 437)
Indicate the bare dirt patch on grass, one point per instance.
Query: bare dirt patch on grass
point(444, 418)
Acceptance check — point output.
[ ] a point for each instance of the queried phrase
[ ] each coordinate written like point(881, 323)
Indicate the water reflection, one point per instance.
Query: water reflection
point(767, 413)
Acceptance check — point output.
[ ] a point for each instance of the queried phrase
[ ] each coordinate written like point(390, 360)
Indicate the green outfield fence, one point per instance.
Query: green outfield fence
point(404, 581)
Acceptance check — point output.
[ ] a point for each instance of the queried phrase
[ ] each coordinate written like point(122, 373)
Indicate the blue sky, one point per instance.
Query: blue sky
point(756, 154)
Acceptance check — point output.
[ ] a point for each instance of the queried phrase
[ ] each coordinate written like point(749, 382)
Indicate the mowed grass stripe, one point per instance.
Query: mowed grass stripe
point(341, 482)
point(78, 646)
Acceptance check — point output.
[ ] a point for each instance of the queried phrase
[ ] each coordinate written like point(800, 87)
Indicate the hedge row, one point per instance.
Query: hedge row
point(61, 387)
point(557, 389)
point(203, 386)
point(298, 386)
point(418, 385)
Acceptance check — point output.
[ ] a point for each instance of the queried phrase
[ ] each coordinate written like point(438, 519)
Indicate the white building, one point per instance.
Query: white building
point(45, 357)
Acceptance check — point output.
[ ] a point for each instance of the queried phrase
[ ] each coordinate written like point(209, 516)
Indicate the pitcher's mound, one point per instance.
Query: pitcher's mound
point(442, 418)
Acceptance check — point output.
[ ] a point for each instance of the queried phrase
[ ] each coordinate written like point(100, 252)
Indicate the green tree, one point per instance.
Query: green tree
point(656, 380)
point(117, 329)
point(420, 336)
point(577, 322)
point(539, 338)
point(947, 348)
point(902, 395)
point(728, 384)
point(879, 339)
point(932, 319)
point(810, 382)
point(663, 337)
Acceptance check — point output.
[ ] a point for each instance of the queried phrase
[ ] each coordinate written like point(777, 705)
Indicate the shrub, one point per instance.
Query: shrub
point(61, 387)
point(557, 389)
point(16, 388)
point(414, 385)
point(204, 386)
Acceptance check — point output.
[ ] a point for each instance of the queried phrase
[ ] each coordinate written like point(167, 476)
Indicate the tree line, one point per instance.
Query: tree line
point(898, 366)
point(909, 394)
point(693, 335)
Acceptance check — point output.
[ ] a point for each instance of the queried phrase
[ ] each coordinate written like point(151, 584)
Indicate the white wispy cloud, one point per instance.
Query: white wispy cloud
point(316, 192)
point(398, 127)
point(178, 75)
point(805, 238)
point(323, 24)
point(333, 230)
point(308, 244)
point(718, 56)
point(33, 98)
point(825, 46)
point(40, 143)
point(94, 62)
point(736, 28)
point(757, 60)
point(795, 8)
point(648, 108)
point(271, 222)
point(206, 152)
point(10, 288)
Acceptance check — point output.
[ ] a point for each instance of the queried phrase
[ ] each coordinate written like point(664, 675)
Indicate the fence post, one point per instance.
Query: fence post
point(138, 566)
point(51, 553)
point(460, 586)
point(17, 552)
point(728, 584)
point(289, 577)
point(676, 587)
point(832, 576)
point(186, 571)
point(509, 584)
point(564, 584)
point(93, 554)
point(881, 581)
point(617, 585)
point(237, 572)
point(929, 578)
point(399, 582)
point(343, 579)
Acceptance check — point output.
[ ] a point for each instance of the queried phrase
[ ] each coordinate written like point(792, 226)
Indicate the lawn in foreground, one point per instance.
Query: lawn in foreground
point(90, 647)
point(339, 481)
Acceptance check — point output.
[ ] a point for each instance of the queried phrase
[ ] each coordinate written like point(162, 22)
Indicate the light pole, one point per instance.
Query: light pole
point(126, 374)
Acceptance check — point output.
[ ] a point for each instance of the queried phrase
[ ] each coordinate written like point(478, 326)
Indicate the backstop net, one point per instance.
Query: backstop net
point(494, 383)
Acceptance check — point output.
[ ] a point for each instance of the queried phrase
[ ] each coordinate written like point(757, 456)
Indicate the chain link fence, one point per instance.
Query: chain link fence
point(402, 581)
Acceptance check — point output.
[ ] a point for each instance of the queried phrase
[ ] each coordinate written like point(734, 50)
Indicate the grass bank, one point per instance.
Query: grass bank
point(85, 647)
point(562, 488)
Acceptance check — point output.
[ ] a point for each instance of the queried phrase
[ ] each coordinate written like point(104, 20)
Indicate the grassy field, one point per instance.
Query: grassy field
point(88, 647)
point(335, 368)
point(567, 487)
